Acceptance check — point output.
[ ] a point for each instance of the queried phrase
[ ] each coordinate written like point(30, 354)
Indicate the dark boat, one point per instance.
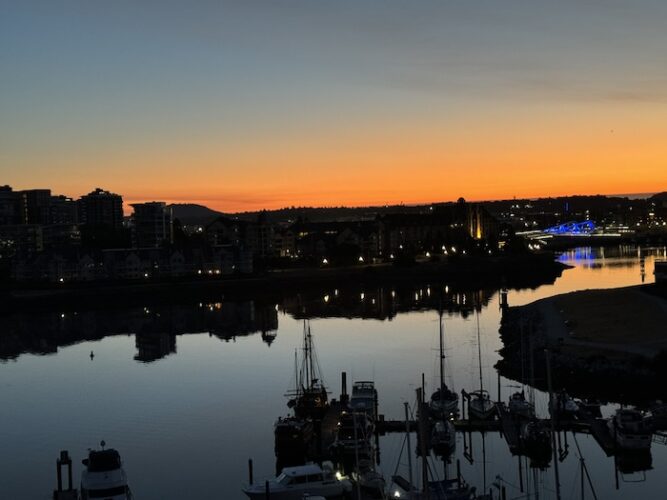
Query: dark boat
point(292, 435)
point(310, 398)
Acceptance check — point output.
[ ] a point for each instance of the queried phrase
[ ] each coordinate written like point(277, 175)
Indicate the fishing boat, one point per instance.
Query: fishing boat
point(519, 407)
point(309, 399)
point(444, 402)
point(364, 398)
point(630, 430)
point(480, 405)
point(294, 483)
point(104, 476)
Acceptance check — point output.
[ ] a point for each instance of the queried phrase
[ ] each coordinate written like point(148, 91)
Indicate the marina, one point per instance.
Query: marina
point(186, 394)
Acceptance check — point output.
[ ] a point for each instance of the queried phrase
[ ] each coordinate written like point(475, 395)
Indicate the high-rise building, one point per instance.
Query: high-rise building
point(63, 210)
point(9, 206)
point(101, 208)
point(151, 224)
point(35, 206)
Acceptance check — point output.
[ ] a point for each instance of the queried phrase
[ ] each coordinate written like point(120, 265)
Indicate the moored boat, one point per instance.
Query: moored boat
point(519, 407)
point(364, 398)
point(443, 437)
point(104, 476)
point(294, 483)
point(630, 430)
point(480, 406)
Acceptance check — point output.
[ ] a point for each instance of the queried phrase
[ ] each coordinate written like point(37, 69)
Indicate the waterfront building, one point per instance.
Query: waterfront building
point(101, 208)
point(152, 225)
point(62, 210)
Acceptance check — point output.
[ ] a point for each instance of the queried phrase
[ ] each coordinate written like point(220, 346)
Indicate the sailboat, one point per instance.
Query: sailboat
point(310, 398)
point(481, 407)
point(444, 402)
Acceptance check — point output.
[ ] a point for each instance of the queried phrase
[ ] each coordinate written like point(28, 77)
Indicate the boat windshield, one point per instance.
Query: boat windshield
point(283, 479)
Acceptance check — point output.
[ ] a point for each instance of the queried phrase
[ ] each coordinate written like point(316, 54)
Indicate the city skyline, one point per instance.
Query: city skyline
point(242, 107)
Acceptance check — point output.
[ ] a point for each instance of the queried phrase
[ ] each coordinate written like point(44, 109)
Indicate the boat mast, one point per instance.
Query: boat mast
point(479, 355)
point(442, 359)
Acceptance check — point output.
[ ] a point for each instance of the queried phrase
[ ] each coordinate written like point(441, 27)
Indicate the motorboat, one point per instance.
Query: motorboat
point(443, 437)
point(292, 434)
point(364, 398)
point(519, 407)
point(480, 406)
point(104, 476)
point(294, 483)
point(630, 430)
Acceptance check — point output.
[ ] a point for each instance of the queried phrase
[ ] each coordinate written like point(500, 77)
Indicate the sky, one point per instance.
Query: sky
point(241, 105)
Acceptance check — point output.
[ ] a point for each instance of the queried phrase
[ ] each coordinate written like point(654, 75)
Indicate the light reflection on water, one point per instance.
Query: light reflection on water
point(187, 422)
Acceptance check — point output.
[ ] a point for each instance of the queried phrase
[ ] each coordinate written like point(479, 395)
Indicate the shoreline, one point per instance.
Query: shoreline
point(593, 336)
point(515, 271)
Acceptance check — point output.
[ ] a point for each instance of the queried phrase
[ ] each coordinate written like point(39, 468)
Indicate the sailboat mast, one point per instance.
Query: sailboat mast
point(442, 358)
point(479, 355)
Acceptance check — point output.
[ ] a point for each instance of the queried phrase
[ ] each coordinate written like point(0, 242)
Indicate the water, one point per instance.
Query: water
point(189, 411)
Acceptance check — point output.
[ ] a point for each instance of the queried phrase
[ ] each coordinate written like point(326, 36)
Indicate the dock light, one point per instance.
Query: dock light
point(464, 252)
point(62, 280)
point(400, 246)
point(397, 494)
point(339, 476)
point(361, 259)
point(199, 272)
point(326, 299)
point(391, 255)
point(453, 249)
point(145, 275)
point(363, 295)
point(325, 261)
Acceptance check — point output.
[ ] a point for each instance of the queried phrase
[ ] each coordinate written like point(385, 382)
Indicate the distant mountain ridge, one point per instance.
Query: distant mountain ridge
point(191, 214)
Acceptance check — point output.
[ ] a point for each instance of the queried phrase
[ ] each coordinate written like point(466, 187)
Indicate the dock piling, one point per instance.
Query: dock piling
point(250, 478)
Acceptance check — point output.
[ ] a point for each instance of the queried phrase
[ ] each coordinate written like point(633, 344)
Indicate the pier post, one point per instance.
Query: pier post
point(458, 472)
point(250, 478)
point(343, 388)
point(268, 492)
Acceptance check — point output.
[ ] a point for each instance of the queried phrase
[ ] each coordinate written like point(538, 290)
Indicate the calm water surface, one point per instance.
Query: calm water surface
point(188, 394)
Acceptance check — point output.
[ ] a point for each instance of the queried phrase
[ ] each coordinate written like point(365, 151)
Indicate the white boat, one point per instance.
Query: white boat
point(630, 430)
point(364, 398)
point(519, 407)
point(296, 482)
point(104, 476)
point(480, 406)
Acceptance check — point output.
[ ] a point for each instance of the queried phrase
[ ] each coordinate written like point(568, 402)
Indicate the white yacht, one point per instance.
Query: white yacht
point(630, 430)
point(104, 476)
point(296, 482)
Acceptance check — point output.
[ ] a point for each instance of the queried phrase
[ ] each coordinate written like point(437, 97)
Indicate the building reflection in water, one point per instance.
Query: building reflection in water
point(156, 327)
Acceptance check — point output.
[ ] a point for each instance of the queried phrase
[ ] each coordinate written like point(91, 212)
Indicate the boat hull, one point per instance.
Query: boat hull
point(275, 493)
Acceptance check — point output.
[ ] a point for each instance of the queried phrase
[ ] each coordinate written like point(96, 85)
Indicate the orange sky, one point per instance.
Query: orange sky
point(240, 107)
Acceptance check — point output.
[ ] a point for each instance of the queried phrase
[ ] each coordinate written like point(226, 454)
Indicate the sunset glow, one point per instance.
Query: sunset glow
point(240, 107)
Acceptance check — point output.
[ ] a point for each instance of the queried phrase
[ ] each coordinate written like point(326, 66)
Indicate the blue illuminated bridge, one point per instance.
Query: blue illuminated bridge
point(572, 228)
